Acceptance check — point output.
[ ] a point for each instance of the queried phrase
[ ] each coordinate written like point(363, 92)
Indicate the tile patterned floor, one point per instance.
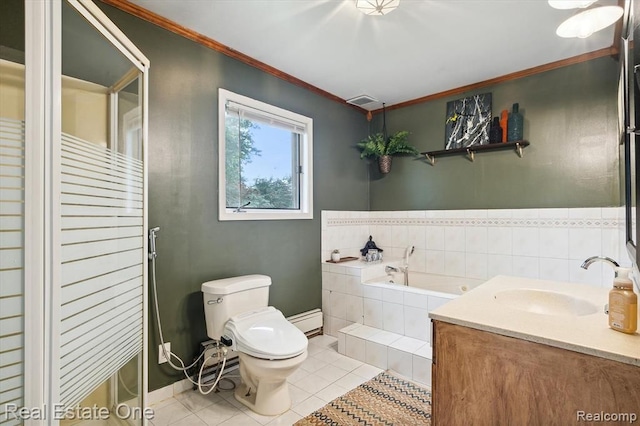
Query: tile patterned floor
point(324, 376)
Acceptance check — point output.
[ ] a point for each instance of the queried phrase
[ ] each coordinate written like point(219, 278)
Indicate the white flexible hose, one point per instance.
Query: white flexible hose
point(169, 354)
point(213, 386)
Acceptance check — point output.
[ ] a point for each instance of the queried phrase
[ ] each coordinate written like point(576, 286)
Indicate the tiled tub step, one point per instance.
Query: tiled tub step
point(407, 356)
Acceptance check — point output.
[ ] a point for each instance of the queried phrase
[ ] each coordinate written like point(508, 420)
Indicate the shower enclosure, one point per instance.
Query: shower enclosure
point(73, 216)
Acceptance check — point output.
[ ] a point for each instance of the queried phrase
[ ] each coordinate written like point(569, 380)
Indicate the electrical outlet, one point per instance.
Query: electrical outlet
point(161, 358)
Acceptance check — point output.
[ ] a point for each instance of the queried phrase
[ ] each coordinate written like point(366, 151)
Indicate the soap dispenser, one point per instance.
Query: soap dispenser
point(623, 303)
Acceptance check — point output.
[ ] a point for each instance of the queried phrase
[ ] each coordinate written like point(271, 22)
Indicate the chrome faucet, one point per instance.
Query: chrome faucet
point(604, 259)
point(389, 269)
point(405, 268)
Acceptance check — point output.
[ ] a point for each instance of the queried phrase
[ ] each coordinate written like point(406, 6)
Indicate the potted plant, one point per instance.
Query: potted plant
point(377, 147)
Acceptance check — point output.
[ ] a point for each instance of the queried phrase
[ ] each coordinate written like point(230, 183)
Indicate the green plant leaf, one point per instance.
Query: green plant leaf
point(376, 146)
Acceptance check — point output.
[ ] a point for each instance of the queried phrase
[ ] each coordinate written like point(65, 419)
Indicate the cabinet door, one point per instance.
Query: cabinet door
point(483, 378)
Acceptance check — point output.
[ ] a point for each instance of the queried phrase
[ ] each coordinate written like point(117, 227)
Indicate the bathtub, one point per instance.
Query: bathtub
point(404, 310)
point(439, 285)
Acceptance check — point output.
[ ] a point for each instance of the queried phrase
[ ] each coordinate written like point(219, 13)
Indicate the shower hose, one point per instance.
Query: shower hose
point(220, 353)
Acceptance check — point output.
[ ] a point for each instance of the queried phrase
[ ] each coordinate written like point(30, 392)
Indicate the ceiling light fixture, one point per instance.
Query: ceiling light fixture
point(570, 4)
point(377, 7)
point(589, 20)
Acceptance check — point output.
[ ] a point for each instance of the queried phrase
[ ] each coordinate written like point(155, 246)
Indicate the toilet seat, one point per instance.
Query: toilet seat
point(266, 334)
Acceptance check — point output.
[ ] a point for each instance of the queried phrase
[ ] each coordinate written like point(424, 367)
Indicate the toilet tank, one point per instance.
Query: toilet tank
point(227, 297)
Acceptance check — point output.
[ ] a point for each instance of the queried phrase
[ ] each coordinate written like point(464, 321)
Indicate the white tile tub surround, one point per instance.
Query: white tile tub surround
point(343, 301)
point(386, 350)
point(394, 330)
point(536, 243)
point(370, 320)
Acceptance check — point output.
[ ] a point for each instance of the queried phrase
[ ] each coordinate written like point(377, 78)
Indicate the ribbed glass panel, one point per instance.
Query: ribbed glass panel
point(102, 265)
point(12, 168)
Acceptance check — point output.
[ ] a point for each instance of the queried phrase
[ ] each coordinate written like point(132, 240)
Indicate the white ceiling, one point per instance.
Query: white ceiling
point(421, 48)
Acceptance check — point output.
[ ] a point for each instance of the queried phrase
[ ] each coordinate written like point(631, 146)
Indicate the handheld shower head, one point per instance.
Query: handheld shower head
point(408, 252)
point(152, 242)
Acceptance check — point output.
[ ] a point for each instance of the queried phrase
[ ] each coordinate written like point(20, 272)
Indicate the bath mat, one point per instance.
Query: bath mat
point(383, 400)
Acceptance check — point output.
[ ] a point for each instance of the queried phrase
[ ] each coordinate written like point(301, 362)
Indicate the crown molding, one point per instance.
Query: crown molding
point(178, 29)
point(187, 33)
point(608, 51)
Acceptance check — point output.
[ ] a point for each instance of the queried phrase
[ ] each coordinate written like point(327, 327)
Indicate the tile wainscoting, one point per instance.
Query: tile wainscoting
point(533, 243)
point(389, 328)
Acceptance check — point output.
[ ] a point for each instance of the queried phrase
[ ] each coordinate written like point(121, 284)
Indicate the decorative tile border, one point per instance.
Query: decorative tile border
point(510, 222)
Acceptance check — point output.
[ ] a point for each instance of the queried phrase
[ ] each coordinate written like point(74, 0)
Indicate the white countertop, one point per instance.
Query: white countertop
point(588, 334)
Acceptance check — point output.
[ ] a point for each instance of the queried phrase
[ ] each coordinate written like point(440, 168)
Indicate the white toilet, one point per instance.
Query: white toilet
point(270, 348)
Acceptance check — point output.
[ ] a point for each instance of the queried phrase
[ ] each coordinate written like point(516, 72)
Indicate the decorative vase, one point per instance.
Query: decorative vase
point(495, 132)
point(384, 163)
point(515, 125)
point(504, 118)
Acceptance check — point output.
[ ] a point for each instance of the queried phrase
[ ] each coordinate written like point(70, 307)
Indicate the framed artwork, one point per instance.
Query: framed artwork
point(468, 121)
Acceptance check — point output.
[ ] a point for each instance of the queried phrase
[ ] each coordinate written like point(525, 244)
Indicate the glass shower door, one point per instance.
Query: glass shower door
point(12, 214)
point(102, 285)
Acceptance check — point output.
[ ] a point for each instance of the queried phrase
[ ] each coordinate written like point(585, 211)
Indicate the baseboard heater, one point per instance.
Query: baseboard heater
point(310, 322)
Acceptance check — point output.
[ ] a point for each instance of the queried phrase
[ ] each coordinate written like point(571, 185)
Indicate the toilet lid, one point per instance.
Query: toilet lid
point(266, 333)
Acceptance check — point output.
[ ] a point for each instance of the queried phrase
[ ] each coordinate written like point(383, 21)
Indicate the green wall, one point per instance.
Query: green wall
point(571, 121)
point(193, 246)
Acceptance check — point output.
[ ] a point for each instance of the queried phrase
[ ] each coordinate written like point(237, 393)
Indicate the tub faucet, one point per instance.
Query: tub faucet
point(405, 268)
point(604, 259)
point(388, 269)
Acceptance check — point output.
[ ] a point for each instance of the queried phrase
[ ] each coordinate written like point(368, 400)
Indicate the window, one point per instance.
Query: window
point(265, 161)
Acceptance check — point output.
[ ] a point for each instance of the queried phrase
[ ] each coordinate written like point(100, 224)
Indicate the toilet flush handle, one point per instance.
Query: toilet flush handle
point(213, 302)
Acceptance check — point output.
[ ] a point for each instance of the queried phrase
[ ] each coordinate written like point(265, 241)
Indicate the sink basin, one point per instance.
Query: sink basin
point(545, 302)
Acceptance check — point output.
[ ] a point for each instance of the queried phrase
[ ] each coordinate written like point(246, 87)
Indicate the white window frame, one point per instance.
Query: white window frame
point(305, 210)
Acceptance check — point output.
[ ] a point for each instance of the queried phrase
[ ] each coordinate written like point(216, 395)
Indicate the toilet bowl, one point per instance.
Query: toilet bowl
point(264, 388)
point(270, 350)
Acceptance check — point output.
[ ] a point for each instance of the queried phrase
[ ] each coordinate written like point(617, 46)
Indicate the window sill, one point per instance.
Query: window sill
point(230, 215)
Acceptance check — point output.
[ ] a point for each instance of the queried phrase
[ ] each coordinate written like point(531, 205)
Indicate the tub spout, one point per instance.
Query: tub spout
point(404, 269)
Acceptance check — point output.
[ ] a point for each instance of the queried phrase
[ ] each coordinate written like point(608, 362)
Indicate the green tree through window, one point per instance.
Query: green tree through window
point(262, 192)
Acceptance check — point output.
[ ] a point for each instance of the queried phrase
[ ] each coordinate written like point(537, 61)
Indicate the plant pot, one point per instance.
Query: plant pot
point(384, 163)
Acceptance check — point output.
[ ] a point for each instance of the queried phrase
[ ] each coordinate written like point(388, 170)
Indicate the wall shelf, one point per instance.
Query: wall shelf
point(471, 151)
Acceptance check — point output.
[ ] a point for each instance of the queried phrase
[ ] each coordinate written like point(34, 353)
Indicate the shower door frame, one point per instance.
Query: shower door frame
point(43, 130)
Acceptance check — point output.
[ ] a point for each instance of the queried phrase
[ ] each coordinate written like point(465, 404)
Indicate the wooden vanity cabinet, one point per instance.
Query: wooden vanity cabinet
point(482, 378)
